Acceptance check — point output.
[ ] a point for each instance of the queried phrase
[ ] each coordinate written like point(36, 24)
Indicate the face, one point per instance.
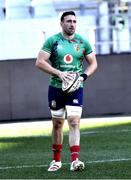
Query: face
point(69, 25)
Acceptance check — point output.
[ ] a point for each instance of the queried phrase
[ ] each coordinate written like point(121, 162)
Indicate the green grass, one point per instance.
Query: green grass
point(105, 149)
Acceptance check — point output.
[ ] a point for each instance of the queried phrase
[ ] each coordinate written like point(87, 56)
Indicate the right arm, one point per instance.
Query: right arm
point(43, 64)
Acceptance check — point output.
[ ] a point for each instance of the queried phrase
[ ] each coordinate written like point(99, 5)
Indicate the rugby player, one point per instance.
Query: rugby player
point(61, 54)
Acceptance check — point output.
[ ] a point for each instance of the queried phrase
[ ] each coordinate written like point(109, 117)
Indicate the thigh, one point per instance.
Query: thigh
point(56, 98)
point(74, 103)
point(75, 98)
point(73, 111)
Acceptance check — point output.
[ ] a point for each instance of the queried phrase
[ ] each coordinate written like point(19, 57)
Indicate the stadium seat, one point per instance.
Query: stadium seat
point(43, 8)
point(17, 9)
point(1, 13)
point(2, 5)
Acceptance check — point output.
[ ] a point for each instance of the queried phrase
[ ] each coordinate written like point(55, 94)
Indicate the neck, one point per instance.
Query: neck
point(68, 37)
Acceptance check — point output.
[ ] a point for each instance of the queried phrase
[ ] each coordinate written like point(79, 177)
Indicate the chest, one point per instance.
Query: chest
point(75, 49)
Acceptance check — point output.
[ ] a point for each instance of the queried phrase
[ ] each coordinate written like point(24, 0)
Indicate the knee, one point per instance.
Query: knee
point(57, 125)
point(74, 123)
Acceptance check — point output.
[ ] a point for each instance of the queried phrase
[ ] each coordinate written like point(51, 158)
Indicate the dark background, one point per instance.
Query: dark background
point(23, 89)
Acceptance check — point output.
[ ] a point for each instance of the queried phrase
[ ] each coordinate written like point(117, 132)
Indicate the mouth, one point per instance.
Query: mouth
point(71, 29)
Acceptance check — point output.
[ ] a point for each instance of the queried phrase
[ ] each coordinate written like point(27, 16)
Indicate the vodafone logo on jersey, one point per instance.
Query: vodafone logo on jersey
point(68, 58)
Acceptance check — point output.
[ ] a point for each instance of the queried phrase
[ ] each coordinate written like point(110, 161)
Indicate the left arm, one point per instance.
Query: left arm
point(91, 59)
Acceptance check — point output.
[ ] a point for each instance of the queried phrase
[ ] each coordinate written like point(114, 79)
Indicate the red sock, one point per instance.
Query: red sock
point(74, 152)
point(56, 148)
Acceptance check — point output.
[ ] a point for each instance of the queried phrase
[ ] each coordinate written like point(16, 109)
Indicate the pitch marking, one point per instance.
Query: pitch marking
point(42, 165)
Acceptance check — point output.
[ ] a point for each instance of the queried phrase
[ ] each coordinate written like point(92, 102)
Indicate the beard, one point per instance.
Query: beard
point(70, 31)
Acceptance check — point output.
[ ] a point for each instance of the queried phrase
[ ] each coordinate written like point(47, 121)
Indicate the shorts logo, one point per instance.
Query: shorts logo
point(75, 101)
point(53, 103)
point(68, 58)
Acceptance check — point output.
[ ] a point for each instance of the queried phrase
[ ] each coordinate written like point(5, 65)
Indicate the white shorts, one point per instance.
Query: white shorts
point(69, 111)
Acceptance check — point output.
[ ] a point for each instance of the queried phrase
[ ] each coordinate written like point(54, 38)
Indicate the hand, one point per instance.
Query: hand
point(76, 84)
point(68, 80)
point(65, 76)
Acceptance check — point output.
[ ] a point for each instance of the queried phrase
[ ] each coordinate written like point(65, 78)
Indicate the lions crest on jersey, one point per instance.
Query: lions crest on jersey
point(76, 47)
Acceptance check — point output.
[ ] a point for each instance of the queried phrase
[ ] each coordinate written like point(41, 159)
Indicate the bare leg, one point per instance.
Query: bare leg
point(57, 139)
point(57, 130)
point(74, 141)
point(74, 132)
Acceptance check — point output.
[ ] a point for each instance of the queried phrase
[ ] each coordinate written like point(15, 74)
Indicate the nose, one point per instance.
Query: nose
point(72, 23)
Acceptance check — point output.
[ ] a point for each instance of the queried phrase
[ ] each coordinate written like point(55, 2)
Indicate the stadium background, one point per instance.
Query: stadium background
point(25, 24)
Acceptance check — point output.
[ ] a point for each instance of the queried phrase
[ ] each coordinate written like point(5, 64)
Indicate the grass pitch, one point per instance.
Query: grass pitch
point(25, 150)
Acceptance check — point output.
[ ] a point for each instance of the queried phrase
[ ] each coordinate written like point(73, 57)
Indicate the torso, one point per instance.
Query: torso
point(66, 55)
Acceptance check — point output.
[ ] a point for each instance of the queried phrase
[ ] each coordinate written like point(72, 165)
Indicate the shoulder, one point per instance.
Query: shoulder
point(50, 42)
point(53, 38)
point(85, 42)
point(81, 38)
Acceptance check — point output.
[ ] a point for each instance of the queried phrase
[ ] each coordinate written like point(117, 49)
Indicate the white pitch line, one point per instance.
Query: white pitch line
point(105, 132)
point(108, 160)
point(43, 165)
point(22, 166)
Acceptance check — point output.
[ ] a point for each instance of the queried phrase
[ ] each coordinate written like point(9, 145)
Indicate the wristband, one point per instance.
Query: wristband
point(85, 76)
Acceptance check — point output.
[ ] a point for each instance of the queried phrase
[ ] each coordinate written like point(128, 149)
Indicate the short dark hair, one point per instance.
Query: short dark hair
point(66, 14)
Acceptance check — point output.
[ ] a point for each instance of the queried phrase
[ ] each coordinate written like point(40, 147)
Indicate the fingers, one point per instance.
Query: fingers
point(65, 76)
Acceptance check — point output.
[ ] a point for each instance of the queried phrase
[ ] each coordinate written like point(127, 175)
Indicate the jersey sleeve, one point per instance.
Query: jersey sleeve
point(47, 46)
point(88, 48)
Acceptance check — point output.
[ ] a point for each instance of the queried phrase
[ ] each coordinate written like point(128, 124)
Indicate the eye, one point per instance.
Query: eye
point(69, 21)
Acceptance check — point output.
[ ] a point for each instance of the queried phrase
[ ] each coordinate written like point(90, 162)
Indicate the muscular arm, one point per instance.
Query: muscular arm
point(43, 64)
point(91, 59)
